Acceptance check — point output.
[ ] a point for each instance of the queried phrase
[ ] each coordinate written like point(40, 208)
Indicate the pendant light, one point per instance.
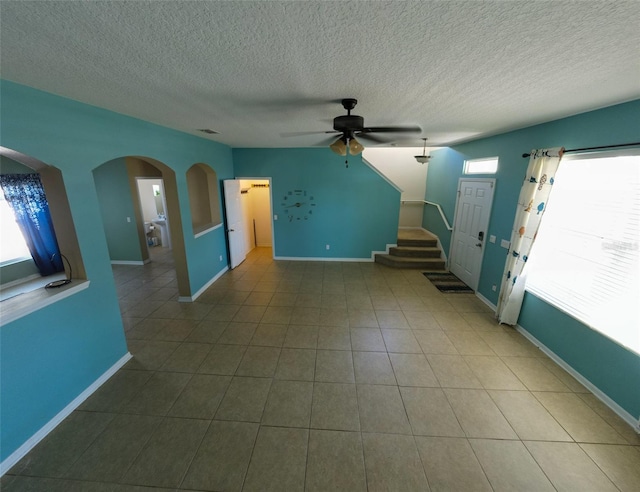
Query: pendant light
point(424, 157)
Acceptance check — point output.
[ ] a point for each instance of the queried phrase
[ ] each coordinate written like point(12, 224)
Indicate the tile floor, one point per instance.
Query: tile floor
point(311, 376)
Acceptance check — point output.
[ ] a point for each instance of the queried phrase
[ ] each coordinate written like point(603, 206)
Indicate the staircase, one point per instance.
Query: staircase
point(416, 248)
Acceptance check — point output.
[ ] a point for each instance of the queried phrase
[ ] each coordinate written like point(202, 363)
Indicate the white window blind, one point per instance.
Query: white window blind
point(585, 260)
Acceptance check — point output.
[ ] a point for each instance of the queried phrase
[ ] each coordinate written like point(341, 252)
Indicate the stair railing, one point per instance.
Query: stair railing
point(444, 219)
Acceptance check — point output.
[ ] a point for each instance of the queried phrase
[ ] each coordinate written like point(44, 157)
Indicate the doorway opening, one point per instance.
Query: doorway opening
point(153, 205)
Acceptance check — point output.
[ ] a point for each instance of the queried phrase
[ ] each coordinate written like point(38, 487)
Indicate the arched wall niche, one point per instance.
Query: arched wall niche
point(54, 188)
point(204, 197)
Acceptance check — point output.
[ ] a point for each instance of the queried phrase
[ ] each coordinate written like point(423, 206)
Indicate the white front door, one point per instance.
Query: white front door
point(235, 226)
point(473, 210)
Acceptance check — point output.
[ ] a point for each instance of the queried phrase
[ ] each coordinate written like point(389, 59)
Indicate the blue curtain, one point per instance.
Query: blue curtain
point(25, 195)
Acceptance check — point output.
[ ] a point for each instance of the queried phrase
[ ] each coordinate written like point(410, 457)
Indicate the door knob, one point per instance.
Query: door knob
point(479, 245)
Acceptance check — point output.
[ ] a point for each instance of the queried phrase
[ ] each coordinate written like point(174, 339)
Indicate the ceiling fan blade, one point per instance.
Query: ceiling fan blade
point(392, 129)
point(371, 138)
point(302, 134)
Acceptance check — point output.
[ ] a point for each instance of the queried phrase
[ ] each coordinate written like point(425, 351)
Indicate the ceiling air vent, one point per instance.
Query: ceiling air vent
point(209, 131)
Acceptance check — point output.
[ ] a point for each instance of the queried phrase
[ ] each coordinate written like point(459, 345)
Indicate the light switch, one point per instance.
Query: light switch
point(492, 239)
point(275, 217)
point(505, 244)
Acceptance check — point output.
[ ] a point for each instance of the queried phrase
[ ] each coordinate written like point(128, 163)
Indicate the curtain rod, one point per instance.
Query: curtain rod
point(635, 144)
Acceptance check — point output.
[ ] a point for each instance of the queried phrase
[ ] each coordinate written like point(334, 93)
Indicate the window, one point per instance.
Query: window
point(487, 165)
point(585, 260)
point(12, 244)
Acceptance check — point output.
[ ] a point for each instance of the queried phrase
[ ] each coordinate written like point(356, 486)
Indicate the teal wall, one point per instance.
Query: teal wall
point(356, 209)
point(49, 357)
point(582, 348)
point(116, 203)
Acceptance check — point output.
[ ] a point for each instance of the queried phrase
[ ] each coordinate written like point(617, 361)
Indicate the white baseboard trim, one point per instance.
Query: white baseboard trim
point(130, 262)
point(30, 443)
point(617, 409)
point(385, 252)
point(310, 258)
point(486, 301)
point(204, 287)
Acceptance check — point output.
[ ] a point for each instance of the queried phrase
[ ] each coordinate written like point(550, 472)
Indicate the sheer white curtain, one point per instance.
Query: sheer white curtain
point(534, 195)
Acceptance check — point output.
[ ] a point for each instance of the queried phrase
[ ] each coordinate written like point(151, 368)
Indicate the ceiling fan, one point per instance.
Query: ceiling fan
point(351, 127)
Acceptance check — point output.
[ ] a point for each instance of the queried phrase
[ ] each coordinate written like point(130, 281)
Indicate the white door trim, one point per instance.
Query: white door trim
point(455, 224)
point(273, 225)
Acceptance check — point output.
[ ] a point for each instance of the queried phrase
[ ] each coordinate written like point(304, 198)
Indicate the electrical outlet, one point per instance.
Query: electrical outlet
point(493, 288)
point(492, 239)
point(128, 219)
point(328, 247)
point(220, 257)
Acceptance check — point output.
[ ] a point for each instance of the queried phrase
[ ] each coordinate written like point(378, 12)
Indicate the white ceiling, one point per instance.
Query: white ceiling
point(255, 69)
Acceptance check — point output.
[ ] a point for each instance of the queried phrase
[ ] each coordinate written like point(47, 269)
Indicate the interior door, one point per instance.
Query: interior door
point(235, 225)
point(473, 210)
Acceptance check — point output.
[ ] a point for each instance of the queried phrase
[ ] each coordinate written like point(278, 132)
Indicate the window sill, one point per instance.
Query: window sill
point(29, 302)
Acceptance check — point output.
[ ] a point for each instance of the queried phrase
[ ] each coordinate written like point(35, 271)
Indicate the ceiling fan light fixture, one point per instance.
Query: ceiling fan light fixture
point(355, 147)
point(339, 147)
point(424, 158)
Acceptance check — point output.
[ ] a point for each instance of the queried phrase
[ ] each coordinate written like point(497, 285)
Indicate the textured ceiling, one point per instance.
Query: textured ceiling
point(255, 69)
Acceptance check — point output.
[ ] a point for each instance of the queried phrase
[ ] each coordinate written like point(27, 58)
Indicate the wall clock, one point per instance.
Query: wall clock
point(298, 205)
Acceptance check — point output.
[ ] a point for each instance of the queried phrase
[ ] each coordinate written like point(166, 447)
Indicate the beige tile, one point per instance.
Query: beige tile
point(117, 391)
point(66, 443)
point(620, 463)
point(201, 397)
point(300, 336)
point(113, 452)
point(335, 462)
point(421, 320)
point(334, 317)
point(334, 338)
point(482, 321)
point(269, 335)
point(568, 467)
point(413, 370)
point(450, 465)
point(288, 404)
point(207, 331)
point(401, 341)
point(493, 373)
point(334, 366)
point(509, 466)
point(528, 417)
point(249, 314)
point(259, 362)
point(166, 457)
point(451, 321)
point(609, 416)
point(305, 315)
point(392, 319)
point(367, 340)
point(279, 460)
point(533, 373)
point(187, 357)
point(359, 302)
point(469, 343)
point(149, 355)
point(429, 412)
point(384, 302)
point(567, 379)
point(580, 421)
point(373, 368)
point(335, 406)
point(435, 342)
point(282, 299)
point(159, 394)
point(363, 318)
point(381, 409)
point(478, 415)
point(510, 344)
point(260, 297)
point(296, 364)
point(392, 463)
point(410, 303)
point(223, 457)
point(238, 333)
point(277, 314)
point(244, 400)
point(223, 312)
point(223, 359)
point(452, 371)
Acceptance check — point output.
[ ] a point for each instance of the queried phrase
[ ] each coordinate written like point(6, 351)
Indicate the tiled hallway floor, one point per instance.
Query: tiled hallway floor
point(290, 376)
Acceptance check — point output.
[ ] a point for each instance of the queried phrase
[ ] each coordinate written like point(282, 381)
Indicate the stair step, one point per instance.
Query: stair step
point(415, 251)
point(425, 243)
point(428, 264)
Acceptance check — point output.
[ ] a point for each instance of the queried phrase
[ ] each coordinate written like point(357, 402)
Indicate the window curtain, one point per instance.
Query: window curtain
point(25, 194)
point(532, 203)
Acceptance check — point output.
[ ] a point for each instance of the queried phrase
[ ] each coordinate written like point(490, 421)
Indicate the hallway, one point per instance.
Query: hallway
point(327, 376)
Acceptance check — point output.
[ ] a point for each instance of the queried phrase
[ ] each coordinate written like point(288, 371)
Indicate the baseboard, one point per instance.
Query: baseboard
point(30, 443)
point(486, 301)
point(617, 409)
point(310, 258)
point(385, 252)
point(204, 287)
point(130, 262)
